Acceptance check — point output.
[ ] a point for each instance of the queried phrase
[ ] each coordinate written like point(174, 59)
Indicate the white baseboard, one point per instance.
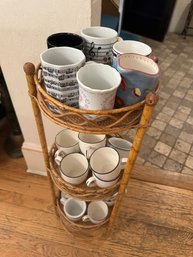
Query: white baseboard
point(34, 159)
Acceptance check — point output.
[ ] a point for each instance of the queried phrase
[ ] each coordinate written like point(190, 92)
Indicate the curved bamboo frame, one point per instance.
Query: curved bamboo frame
point(40, 99)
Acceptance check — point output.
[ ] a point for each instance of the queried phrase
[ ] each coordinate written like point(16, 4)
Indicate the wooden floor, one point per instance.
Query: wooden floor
point(154, 220)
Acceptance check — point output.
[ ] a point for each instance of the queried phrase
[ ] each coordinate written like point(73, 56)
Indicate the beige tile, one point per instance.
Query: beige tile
point(187, 171)
point(190, 120)
point(178, 156)
point(179, 94)
point(189, 162)
point(182, 146)
point(153, 132)
point(184, 109)
point(159, 124)
point(176, 123)
point(181, 116)
point(162, 148)
point(168, 111)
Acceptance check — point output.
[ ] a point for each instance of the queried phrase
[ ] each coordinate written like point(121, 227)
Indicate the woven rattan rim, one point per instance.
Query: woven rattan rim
point(80, 192)
point(38, 81)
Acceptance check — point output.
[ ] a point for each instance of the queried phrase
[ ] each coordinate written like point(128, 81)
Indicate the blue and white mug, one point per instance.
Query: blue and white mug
point(140, 75)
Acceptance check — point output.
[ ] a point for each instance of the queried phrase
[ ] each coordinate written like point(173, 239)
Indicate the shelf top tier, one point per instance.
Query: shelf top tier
point(101, 122)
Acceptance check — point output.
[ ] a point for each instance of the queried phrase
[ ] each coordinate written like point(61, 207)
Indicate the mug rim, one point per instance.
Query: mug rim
point(111, 169)
point(59, 66)
point(65, 34)
point(114, 32)
point(142, 57)
point(132, 52)
point(91, 142)
point(65, 146)
point(76, 200)
point(78, 175)
point(118, 147)
point(95, 90)
point(106, 181)
point(94, 202)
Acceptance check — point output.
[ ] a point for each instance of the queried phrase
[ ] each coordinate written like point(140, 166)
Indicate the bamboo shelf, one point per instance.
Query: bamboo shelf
point(104, 122)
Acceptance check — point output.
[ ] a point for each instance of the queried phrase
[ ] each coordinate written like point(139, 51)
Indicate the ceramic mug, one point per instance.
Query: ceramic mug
point(121, 145)
point(99, 43)
point(134, 47)
point(73, 208)
point(74, 168)
point(65, 39)
point(59, 68)
point(140, 75)
point(90, 142)
point(98, 85)
point(66, 142)
point(105, 163)
point(97, 212)
point(95, 181)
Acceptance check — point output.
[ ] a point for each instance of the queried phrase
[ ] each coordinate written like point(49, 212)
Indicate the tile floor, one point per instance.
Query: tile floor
point(168, 143)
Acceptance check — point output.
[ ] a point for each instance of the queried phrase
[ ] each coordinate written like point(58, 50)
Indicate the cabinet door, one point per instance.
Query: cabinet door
point(149, 18)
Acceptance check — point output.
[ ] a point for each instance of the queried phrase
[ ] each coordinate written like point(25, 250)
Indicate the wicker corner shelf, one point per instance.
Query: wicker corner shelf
point(104, 122)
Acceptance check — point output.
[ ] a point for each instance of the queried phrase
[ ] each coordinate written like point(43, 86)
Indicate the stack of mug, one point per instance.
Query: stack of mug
point(90, 71)
point(79, 153)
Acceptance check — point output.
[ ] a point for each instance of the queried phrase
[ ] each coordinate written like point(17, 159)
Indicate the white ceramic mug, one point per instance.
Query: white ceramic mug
point(105, 163)
point(73, 208)
point(66, 142)
point(59, 67)
point(98, 85)
point(74, 168)
point(95, 181)
point(97, 212)
point(99, 43)
point(90, 142)
point(121, 145)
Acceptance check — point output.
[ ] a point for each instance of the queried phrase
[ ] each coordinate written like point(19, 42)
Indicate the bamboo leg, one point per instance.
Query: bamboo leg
point(29, 69)
point(150, 103)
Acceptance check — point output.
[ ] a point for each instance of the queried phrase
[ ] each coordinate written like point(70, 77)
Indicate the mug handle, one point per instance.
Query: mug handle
point(124, 160)
point(91, 182)
point(58, 159)
point(63, 200)
point(153, 57)
point(85, 218)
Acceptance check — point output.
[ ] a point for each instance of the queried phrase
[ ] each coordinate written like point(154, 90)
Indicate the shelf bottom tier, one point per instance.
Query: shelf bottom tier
point(85, 228)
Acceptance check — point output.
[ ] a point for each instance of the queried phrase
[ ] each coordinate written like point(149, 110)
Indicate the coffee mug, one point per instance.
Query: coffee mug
point(133, 47)
point(59, 68)
point(66, 142)
point(90, 142)
point(98, 85)
point(105, 163)
point(97, 212)
point(73, 208)
point(111, 200)
point(74, 168)
point(140, 75)
point(95, 181)
point(121, 145)
point(65, 39)
point(99, 43)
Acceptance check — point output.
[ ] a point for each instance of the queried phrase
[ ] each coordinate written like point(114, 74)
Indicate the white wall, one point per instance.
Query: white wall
point(179, 16)
point(24, 27)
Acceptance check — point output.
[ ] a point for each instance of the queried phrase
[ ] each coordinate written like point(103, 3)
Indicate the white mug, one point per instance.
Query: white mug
point(73, 208)
point(105, 163)
point(66, 142)
point(121, 145)
point(98, 84)
point(132, 46)
point(59, 67)
point(97, 212)
point(95, 181)
point(99, 43)
point(74, 168)
point(90, 142)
